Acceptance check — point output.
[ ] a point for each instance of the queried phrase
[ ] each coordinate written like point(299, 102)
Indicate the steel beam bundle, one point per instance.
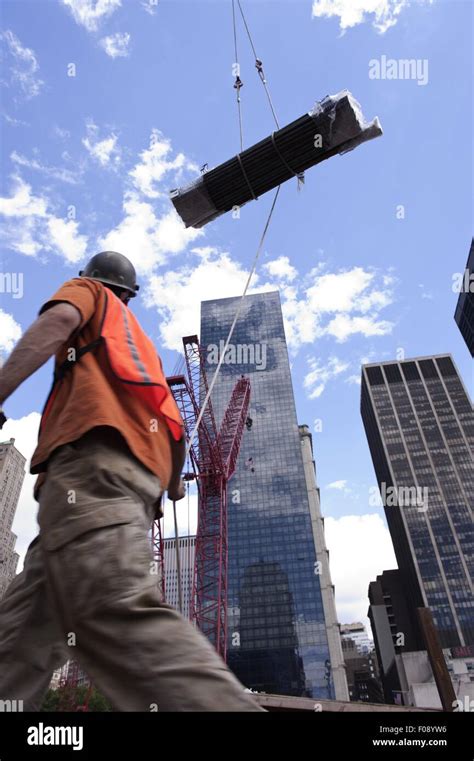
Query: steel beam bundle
point(335, 125)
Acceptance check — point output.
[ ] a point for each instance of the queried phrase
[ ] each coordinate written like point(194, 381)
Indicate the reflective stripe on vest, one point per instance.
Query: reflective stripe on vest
point(133, 360)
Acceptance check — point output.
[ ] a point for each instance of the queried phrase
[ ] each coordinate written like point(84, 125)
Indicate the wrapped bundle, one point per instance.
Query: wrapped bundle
point(335, 125)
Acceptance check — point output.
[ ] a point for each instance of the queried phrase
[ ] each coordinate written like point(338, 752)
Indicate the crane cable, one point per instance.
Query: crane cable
point(258, 62)
point(238, 82)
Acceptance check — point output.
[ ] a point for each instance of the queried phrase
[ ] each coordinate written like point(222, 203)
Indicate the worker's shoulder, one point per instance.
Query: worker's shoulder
point(83, 283)
point(79, 288)
point(85, 294)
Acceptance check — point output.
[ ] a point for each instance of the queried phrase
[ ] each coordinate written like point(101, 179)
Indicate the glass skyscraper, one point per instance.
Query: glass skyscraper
point(420, 428)
point(277, 639)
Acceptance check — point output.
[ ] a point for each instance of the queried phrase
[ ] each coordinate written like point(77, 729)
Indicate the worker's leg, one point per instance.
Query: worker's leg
point(31, 644)
point(142, 654)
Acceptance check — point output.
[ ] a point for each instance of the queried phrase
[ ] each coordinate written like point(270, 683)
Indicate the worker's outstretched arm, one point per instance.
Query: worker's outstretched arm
point(176, 488)
point(42, 339)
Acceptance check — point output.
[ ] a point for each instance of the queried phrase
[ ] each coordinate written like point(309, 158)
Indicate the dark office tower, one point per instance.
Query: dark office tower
point(464, 314)
point(277, 639)
point(394, 627)
point(420, 428)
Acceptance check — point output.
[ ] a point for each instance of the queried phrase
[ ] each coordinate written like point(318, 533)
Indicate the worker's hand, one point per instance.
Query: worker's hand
point(3, 418)
point(177, 491)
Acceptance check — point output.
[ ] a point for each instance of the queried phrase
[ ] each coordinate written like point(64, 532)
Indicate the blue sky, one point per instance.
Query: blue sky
point(88, 160)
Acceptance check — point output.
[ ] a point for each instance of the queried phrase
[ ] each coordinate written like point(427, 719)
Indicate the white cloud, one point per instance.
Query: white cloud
point(23, 66)
point(31, 227)
point(13, 121)
point(91, 13)
point(60, 132)
point(355, 297)
point(25, 432)
point(342, 326)
point(57, 173)
point(104, 151)
point(360, 548)
point(338, 485)
point(315, 381)
point(23, 203)
point(150, 6)
point(10, 333)
point(155, 163)
point(177, 295)
point(281, 269)
point(116, 45)
point(66, 239)
point(354, 379)
point(146, 238)
point(383, 13)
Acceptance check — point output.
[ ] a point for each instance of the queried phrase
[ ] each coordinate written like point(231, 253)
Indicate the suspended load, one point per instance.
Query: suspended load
point(335, 125)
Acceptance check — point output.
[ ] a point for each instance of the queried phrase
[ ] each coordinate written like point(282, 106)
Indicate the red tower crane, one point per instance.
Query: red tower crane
point(213, 456)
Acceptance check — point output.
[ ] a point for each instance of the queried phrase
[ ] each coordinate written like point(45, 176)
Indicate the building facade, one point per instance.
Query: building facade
point(187, 548)
point(277, 636)
point(12, 474)
point(362, 673)
point(358, 633)
point(420, 429)
point(464, 314)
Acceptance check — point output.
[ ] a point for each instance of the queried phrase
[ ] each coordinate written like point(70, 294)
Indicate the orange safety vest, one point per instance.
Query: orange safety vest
point(133, 360)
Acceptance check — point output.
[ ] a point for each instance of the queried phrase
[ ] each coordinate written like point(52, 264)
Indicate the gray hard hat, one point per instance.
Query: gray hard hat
point(114, 269)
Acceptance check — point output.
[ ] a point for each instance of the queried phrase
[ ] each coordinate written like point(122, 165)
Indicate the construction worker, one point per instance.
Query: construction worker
point(111, 441)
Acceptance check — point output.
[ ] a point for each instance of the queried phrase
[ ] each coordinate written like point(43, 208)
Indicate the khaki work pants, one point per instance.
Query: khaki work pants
point(88, 592)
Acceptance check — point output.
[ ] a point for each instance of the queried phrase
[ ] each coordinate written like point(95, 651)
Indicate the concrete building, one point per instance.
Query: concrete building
point(464, 314)
point(327, 588)
point(358, 634)
point(394, 628)
point(187, 548)
point(277, 632)
point(12, 474)
point(420, 428)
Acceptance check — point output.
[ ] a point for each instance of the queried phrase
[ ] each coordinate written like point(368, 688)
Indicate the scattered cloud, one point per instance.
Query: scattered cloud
point(63, 134)
point(57, 173)
point(154, 163)
point(103, 151)
point(338, 304)
point(315, 381)
point(116, 45)
point(281, 269)
point(382, 13)
point(339, 485)
point(425, 294)
point(354, 379)
point(342, 327)
point(91, 13)
point(23, 66)
point(360, 548)
point(13, 121)
point(32, 227)
point(10, 333)
point(150, 6)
